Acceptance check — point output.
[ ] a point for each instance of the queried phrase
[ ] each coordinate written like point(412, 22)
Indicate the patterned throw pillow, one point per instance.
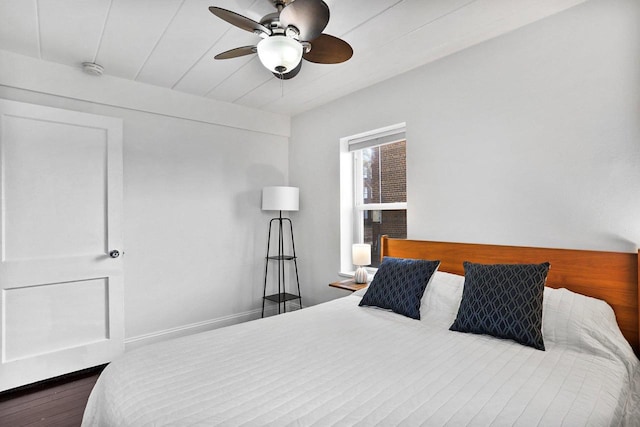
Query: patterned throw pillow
point(503, 300)
point(399, 284)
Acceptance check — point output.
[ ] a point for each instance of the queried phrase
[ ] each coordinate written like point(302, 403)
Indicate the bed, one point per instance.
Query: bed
point(340, 363)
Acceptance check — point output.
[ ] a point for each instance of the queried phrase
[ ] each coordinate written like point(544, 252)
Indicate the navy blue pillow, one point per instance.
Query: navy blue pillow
point(503, 300)
point(399, 284)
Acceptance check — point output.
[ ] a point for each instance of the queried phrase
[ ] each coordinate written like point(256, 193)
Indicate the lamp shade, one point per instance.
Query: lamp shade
point(361, 254)
point(280, 54)
point(280, 198)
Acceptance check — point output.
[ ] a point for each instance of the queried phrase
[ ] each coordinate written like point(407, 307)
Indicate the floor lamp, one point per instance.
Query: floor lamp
point(280, 199)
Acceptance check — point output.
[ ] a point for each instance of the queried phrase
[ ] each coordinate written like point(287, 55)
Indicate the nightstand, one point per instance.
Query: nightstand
point(348, 285)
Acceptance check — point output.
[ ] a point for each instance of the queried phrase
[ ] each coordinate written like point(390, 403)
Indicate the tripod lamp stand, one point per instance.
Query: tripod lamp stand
point(280, 199)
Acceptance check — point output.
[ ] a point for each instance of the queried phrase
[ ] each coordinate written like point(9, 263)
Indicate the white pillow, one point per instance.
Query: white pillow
point(569, 319)
point(441, 299)
point(583, 323)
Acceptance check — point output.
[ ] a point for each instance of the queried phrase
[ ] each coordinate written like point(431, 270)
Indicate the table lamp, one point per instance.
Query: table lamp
point(361, 256)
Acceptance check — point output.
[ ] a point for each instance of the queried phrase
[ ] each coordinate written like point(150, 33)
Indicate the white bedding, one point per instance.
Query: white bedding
point(340, 364)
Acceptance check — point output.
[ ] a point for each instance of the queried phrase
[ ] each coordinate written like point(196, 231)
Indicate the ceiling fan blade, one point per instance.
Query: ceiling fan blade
point(310, 17)
point(291, 74)
point(238, 51)
point(328, 49)
point(239, 21)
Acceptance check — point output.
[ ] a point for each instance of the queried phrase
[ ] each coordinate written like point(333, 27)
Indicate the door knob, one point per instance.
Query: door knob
point(114, 253)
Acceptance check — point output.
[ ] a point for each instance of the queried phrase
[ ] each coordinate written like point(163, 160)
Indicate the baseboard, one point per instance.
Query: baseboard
point(193, 328)
point(50, 382)
point(207, 325)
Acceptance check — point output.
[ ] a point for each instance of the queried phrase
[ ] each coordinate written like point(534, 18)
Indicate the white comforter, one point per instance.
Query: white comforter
point(340, 364)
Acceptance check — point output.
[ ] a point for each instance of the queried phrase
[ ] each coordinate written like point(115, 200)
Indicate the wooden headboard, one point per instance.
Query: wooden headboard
point(609, 276)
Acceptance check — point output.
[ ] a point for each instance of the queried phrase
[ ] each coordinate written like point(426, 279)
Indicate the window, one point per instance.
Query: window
point(373, 190)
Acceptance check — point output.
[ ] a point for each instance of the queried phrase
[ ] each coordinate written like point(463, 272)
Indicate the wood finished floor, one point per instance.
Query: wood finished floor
point(55, 403)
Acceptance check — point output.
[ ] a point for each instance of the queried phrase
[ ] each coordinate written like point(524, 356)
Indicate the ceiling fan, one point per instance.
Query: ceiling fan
point(292, 33)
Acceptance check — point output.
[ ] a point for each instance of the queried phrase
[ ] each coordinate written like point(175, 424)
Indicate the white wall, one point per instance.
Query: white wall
point(532, 139)
point(193, 230)
point(529, 139)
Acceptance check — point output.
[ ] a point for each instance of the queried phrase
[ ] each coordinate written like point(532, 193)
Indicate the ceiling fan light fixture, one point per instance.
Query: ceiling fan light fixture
point(280, 54)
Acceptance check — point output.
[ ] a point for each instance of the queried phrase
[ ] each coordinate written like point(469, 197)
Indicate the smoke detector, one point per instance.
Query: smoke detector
point(92, 68)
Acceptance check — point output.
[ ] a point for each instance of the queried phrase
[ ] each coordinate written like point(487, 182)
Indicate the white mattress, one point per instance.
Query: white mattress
point(340, 364)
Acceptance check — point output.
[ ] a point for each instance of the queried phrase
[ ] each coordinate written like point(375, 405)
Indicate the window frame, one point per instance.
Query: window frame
point(352, 206)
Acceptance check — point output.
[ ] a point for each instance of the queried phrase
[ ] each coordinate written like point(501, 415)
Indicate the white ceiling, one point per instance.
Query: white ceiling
point(171, 43)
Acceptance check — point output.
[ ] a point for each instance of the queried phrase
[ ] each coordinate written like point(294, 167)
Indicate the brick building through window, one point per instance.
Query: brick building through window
point(384, 181)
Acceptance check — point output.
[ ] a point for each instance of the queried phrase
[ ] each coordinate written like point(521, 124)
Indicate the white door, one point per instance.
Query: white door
point(61, 293)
